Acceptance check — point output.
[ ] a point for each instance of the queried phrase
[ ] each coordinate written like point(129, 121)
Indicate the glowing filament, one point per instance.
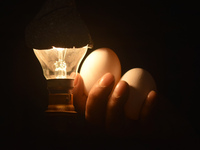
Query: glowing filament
point(60, 65)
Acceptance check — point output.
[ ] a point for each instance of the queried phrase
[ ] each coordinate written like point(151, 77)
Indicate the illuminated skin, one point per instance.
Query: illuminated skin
point(104, 108)
point(159, 123)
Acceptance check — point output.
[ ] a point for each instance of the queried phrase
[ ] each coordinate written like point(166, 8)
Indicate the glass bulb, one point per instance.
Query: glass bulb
point(60, 66)
point(60, 63)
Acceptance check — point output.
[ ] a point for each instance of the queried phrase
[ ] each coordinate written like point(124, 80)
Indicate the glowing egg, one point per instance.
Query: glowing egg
point(98, 63)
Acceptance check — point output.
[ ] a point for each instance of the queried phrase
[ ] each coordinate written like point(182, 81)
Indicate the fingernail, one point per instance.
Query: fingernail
point(151, 96)
point(120, 89)
point(106, 80)
point(76, 80)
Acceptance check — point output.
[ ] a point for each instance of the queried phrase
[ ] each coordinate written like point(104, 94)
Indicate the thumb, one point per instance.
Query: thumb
point(79, 95)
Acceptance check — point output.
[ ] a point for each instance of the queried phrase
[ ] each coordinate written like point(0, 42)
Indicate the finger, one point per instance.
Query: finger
point(115, 107)
point(79, 95)
point(97, 99)
point(148, 105)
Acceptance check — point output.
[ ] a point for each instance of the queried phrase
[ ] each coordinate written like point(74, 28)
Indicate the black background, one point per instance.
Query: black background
point(159, 36)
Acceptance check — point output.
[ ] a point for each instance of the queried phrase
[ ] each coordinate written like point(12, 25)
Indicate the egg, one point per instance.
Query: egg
point(140, 83)
point(98, 63)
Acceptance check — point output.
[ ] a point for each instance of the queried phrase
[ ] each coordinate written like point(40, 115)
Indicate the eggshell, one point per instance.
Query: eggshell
point(141, 83)
point(98, 63)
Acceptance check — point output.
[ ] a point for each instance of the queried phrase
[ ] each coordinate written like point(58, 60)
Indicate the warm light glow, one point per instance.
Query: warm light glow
point(61, 67)
point(60, 63)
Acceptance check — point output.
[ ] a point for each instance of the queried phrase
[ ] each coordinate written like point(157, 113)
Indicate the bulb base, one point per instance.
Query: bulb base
point(60, 96)
point(61, 102)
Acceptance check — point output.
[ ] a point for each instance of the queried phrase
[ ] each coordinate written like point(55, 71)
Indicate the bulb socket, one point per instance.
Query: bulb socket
point(60, 85)
point(60, 95)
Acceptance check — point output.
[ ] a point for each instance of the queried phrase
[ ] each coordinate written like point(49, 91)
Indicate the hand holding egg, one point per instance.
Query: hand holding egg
point(104, 60)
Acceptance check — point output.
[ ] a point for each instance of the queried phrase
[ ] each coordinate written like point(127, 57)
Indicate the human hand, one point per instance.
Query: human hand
point(104, 105)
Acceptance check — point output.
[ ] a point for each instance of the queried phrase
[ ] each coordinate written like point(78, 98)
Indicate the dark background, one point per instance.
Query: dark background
point(159, 36)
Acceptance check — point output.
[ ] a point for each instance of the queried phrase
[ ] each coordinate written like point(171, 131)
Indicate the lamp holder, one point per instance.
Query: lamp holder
point(60, 95)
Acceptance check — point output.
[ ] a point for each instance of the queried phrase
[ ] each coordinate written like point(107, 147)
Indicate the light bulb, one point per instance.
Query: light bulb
point(60, 66)
point(59, 24)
